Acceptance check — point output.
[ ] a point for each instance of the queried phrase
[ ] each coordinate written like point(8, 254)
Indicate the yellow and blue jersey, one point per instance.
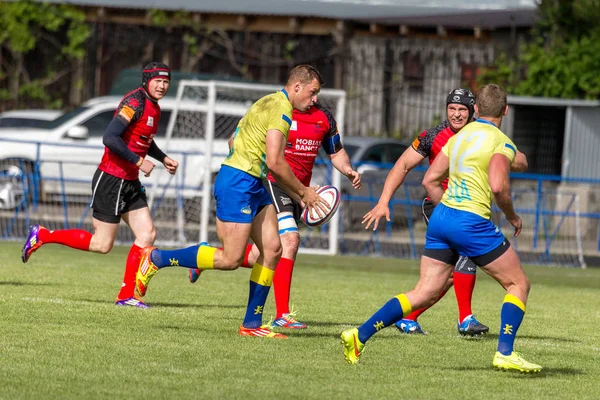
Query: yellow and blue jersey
point(469, 153)
point(248, 152)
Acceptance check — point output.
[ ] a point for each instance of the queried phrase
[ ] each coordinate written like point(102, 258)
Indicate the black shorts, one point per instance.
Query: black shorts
point(282, 201)
point(427, 209)
point(113, 197)
point(461, 264)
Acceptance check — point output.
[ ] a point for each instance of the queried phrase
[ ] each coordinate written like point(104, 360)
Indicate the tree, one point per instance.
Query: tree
point(58, 32)
point(562, 59)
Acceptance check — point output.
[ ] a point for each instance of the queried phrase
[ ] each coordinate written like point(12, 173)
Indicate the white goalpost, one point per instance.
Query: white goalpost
point(205, 115)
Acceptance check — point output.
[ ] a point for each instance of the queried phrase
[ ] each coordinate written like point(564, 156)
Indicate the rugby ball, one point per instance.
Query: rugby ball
point(332, 196)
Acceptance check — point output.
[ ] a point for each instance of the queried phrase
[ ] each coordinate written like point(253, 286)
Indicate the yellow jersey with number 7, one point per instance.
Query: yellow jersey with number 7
point(469, 153)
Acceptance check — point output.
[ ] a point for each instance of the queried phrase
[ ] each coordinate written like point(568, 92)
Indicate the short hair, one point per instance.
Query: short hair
point(491, 101)
point(305, 74)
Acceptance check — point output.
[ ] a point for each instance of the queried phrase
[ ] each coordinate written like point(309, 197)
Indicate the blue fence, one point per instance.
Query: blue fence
point(561, 215)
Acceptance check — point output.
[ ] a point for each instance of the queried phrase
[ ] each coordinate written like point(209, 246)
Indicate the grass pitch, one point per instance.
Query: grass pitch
point(61, 336)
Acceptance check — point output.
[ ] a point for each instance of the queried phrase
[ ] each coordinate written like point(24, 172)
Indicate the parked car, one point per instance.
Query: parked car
point(373, 158)
point(27, 118)
point(72, 144)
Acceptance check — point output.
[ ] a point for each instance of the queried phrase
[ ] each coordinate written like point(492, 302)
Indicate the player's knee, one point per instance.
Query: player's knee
point(146, 237)
point(230, 262)
point(290, 243)
point(426, 296)
point(449, 283)
point(526, 284)
point(104, 248)
point(272, 252)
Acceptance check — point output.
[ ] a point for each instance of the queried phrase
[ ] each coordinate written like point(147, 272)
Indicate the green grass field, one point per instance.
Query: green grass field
point(62, 337)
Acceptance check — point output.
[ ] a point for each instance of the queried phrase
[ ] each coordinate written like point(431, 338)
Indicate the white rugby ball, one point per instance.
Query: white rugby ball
point(332, 196)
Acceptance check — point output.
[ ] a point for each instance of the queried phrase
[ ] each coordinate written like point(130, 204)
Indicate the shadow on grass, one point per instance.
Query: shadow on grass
point(302, 333)
point(182, 305)
point(342, 325)
point(494, 336)
point(13, 283)
point(546, 372)
point(174, 305)
point(554, 338)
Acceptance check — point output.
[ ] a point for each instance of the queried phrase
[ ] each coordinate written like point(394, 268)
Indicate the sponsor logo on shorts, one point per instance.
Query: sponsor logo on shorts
point(285, 200)
point(246, 210)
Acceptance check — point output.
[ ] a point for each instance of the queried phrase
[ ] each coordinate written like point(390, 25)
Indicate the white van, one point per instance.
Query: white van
point(70, 147)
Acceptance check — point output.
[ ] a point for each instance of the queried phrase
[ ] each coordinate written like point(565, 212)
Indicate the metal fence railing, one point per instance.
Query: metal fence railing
point(561, 216)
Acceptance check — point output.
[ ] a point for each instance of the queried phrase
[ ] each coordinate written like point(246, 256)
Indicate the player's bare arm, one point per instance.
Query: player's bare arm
point(284, 175)
point(407, 161)
point(520, 163)
point(498, 175)
point(435, 175)
point(341, 162)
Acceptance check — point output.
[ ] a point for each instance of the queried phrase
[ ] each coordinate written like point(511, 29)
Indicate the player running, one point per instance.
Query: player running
point(244, 207)
point(460, 105)
point(116, 190)
point(309, 131)
point(478, 161)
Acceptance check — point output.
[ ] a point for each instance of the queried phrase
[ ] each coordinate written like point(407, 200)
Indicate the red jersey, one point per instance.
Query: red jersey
point(430, 143)
point(307, 132)
point(143, 115)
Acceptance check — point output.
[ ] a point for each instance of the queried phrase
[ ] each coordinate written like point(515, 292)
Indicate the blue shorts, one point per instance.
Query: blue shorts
point(466, 233)
point(239, 195)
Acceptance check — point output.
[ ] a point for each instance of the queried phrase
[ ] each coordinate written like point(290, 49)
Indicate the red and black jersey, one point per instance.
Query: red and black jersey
point(142, 114)
point(308, 131)
point(430, 143)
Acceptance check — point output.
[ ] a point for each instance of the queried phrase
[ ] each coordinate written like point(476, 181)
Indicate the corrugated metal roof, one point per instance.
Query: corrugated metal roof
point(423, 12)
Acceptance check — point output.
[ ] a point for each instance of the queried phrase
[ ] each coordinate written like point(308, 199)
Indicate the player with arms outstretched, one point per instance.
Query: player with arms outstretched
point(310, 130)
point(477, 163)
point(116, 190)
point(460, 108)
point(244, 208)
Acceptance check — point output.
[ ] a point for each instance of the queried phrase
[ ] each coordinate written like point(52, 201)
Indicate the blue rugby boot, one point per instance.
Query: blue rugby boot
point(471, 327)
point(409, 327)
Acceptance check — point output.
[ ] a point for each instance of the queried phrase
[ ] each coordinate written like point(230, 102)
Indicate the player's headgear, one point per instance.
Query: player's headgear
point(155, 70)
point(464, 97)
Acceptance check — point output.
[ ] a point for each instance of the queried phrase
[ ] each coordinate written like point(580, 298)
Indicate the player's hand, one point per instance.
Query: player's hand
point(302, 204)
point(354, 177)
point(147, 167)
point(171, 165)
point(314, 202)
point(517, 223)
point(373, 216)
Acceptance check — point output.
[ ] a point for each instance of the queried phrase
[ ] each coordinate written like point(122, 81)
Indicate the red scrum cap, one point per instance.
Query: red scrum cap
point(155, 70)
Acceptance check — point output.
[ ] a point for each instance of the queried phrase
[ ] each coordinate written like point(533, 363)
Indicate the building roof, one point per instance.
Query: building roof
point(465, 13)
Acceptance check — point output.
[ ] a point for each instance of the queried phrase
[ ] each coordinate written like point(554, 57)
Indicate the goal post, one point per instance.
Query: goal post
point(205, 115)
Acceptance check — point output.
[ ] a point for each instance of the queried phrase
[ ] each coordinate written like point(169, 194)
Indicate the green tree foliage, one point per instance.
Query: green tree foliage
point(27, 27)
point(562, 60)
